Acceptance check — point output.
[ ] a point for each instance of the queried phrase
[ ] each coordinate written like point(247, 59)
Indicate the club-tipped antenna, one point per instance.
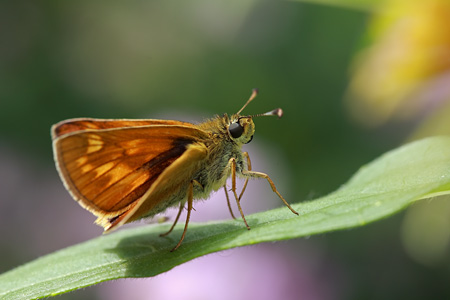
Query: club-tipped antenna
point(276, 112)
point(252, 96)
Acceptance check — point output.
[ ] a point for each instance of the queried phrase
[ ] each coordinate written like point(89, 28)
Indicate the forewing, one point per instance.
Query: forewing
point(107, 170)
point(81, 124)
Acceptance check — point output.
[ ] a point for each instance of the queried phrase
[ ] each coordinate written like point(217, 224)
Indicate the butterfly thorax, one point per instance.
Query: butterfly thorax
point(222, 146)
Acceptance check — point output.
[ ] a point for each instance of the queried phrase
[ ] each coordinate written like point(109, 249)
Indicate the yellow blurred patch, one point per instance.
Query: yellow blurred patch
point(411, 47)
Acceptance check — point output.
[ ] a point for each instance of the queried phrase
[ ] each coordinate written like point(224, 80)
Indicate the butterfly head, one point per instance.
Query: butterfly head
point(242, 128)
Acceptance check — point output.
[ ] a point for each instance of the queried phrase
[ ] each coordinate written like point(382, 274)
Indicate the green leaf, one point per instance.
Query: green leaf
point(383, 187)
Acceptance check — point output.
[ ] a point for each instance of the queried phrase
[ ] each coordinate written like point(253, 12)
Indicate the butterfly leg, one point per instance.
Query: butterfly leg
point(190, 200)
point(252, 174)
point(249, 168)
point(176, 220)
point(228, 202)
point(232, 164)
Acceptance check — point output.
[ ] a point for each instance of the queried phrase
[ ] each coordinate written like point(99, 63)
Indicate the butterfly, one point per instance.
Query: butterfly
point(122, 170)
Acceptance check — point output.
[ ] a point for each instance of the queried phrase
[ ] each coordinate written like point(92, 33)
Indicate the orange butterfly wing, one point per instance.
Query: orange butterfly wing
point(109, 165)
point(79, 124)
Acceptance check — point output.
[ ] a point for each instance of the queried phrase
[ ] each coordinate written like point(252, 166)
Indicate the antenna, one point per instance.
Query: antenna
point(252, 96)
point(276, 112)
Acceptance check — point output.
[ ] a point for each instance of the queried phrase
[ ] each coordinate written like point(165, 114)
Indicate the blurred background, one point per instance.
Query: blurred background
point(354, 81)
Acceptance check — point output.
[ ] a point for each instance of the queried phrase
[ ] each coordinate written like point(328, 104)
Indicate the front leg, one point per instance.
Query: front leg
point(228, 201)
point(249, 168)
point(252, 174)
point(232, 166)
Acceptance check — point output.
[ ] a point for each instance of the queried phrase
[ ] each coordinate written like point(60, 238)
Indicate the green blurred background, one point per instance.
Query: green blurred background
point(189, 60)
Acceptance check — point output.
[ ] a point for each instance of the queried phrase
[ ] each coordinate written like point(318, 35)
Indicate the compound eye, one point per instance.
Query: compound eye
point(235, 130)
